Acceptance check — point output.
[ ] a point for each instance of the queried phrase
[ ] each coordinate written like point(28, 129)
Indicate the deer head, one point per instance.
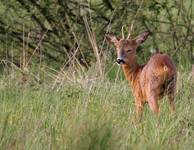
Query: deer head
point(126, 48)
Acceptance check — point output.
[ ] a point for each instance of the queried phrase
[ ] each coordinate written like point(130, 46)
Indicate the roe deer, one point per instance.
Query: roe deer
point(149, 82)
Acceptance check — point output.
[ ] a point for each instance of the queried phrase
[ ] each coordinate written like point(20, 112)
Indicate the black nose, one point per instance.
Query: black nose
point(120, 61)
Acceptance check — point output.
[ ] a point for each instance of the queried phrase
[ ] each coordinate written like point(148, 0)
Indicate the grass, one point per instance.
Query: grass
point(95, 115)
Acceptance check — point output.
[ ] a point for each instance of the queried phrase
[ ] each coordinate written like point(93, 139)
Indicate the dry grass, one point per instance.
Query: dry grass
point(88, 113)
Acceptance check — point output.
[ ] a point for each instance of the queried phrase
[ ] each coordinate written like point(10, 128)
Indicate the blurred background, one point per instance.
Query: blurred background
point(69, 34)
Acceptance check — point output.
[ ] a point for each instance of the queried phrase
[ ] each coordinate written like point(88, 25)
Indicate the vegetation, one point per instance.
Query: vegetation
point(61, 89)
point(57, 31)
point(97, 114)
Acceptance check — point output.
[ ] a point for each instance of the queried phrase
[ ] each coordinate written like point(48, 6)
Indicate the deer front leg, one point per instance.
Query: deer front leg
point(139, 108)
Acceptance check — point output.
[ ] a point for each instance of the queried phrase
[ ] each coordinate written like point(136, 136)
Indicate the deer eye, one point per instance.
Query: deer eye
point(129, 50)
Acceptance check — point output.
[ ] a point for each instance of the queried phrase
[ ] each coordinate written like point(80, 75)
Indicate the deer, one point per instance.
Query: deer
point(149, 82)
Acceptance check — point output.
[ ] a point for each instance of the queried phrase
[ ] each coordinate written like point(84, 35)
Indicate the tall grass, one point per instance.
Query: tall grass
point(90, 114)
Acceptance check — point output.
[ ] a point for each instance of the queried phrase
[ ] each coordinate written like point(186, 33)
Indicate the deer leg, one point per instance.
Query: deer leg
point(153, 91)
point(139, 109)
point(172, 103)
point(153, 103)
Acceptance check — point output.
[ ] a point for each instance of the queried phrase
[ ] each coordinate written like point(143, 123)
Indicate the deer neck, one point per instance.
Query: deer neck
point(131, 71)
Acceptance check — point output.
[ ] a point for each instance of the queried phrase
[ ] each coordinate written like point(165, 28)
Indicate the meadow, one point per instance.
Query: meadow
point(90, 113)
point(59, 87)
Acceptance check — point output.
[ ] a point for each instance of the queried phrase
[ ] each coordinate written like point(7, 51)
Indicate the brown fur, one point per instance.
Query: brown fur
point(150, 82)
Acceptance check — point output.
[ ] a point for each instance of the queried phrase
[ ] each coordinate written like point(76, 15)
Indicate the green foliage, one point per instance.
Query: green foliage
point(56, 30)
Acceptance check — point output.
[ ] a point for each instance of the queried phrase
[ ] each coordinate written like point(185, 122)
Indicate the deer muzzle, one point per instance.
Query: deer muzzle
point(120, 61)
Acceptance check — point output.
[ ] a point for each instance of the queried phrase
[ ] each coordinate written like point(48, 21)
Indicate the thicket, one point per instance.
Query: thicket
point(71, 32)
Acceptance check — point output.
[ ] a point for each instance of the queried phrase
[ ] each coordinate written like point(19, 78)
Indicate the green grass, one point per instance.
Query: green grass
point(95, 115)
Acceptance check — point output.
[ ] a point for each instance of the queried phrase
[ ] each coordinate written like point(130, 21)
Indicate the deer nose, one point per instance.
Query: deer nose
point(120, 61)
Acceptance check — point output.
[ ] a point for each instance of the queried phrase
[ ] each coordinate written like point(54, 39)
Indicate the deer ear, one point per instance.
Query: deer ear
point(111, 38)
point(142, 37)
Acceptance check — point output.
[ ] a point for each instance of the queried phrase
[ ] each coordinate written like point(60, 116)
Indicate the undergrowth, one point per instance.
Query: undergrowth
point(97, 114)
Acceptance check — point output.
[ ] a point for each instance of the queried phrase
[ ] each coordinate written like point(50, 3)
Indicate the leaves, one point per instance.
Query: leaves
point(169, 22)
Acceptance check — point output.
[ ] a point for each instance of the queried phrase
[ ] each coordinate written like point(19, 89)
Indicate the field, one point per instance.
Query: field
point(90, 113)
point(61, 89)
